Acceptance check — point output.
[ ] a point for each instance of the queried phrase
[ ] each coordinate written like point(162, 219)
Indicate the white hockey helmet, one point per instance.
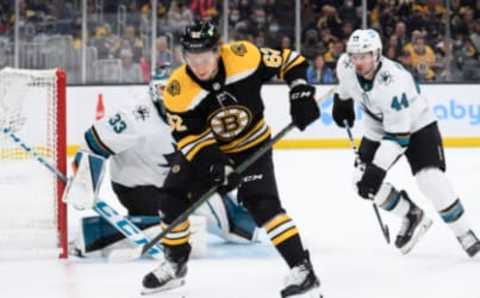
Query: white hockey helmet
point(365, 41)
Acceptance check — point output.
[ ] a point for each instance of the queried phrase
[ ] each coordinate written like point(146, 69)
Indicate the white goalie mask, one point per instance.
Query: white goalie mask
point(364, 41)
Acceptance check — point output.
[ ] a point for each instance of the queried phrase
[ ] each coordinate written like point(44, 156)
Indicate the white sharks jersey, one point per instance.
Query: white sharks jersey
point(393, 103)
point(136, 140)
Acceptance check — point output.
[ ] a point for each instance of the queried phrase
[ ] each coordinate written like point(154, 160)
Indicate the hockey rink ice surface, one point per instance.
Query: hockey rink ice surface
point(347, 248)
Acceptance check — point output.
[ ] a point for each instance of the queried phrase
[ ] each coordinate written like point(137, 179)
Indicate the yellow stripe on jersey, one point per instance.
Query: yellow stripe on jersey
point(265, 135)
point(235, 143)
point(182, 93)
point(241, 59)
point(276, 221)
point(191, 154)
point(290, 60)
point(284, 236)
point(191, 139)
point(285, 58)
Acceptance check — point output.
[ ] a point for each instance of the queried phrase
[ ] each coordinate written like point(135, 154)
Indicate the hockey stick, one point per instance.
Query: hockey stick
point(119, 222)
point(383, 227)
point(239, 170)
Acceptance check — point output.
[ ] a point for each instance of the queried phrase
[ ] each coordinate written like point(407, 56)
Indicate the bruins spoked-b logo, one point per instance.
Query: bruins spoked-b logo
point(228, 122)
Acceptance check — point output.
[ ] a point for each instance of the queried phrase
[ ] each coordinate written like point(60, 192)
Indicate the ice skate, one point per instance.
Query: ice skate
point(302, 282)
point(470, 243)
point(415, 224)
point(169, 275)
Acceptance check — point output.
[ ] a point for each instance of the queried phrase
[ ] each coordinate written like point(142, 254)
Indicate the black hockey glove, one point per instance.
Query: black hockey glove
point(371, 181)
point(224, 177)
point(303, 106)
point(215, 168)
point(343, 110)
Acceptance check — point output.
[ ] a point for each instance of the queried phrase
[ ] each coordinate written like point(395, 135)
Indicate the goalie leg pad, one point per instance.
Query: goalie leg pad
point(97, 233)
point(83, 188)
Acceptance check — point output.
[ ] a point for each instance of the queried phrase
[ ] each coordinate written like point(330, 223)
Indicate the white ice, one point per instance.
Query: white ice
point(340, 229)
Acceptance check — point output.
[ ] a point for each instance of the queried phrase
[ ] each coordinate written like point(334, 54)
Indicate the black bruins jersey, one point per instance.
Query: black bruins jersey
point(227, 110)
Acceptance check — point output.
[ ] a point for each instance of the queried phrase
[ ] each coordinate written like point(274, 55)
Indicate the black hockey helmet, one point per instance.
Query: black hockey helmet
point(200, 37)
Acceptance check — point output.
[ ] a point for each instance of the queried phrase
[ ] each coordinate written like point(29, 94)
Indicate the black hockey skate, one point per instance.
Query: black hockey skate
point(414, 225)
point(470, 243)
point(169, 275)
point(302, 281)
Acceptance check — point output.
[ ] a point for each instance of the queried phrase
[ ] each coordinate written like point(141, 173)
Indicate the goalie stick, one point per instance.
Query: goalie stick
point(240, 169)
point(383, 227)
point(119, 222)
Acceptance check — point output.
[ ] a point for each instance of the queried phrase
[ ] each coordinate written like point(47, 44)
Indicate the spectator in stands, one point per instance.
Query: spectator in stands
point(391, 49)
point(258, 20)
point(131, 72)
point(179, 16)
point(164, 55)
point(239, 24)
point(204, 9)
point(443, 73)
point(348, 12)
point(423, 59)
point(312, 45)
point(177, 57)
point(260, 41)
point(347, 29)
point(104, 41)
point(308, 15)
point(319, 73)
point(286, 43)
point(245, 8)
point(401, 38)
point(467, 58)
point(131, 41)
point(335, 49)
point(475, 35)
point(329, 18)
point(326, 37)
point(234, 17)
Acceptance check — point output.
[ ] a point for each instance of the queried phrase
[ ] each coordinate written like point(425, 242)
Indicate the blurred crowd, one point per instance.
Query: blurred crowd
point(414, 32)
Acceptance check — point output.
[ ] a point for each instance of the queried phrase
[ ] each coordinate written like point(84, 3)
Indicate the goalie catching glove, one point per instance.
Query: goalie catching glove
point(82, 188)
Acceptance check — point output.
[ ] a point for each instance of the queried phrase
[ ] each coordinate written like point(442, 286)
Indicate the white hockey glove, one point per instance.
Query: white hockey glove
point(82, 189)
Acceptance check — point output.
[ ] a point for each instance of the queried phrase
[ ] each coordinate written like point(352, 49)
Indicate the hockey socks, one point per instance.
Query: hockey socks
point(284, 235)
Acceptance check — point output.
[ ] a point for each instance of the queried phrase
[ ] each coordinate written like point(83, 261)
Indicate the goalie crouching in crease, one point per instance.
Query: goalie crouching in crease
point(215, 110)
point(138, 144)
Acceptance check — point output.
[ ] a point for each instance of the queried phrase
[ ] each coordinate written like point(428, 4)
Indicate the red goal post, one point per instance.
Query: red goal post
point(33, 107)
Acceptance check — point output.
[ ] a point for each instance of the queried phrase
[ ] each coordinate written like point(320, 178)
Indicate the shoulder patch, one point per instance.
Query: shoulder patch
point(239, 49)
point(385, 78)
point(173, 88)
point(241, 59)
point(182, 93)
point(141, 112)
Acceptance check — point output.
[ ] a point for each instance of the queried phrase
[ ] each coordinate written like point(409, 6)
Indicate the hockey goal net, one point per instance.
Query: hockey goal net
point(32, 117)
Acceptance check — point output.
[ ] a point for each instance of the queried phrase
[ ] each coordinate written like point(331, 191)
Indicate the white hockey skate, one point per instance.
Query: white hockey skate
point(470, 243)
point(414, 225)
point(169, 275)
point(302, 281)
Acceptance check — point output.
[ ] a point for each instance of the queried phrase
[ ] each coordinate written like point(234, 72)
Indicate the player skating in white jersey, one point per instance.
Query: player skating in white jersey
point(139, 146)
point(398, 121)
